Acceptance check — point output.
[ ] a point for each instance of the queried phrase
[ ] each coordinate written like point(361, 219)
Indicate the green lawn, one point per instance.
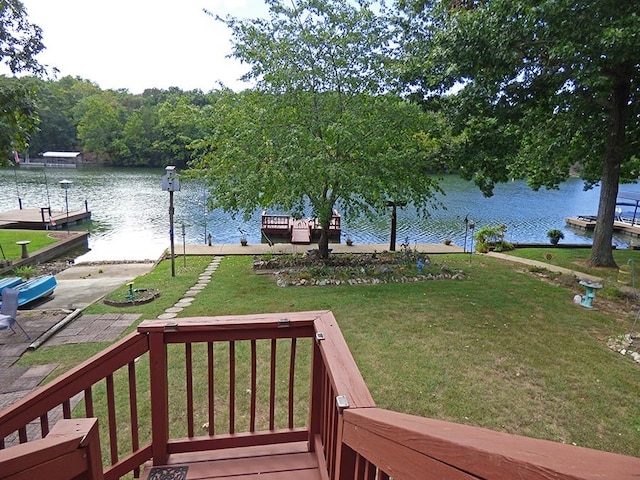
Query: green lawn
point(8, 239)
point(502, 349)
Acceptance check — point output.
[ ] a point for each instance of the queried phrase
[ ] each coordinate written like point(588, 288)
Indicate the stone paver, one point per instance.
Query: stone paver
point(174, 309)
point(17, 381)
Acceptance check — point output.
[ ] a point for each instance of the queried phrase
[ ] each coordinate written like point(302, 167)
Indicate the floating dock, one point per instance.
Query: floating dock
point(588, 222)
point(41, 219)
point(279, 228)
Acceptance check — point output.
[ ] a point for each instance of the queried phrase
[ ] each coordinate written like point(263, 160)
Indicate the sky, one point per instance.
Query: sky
point(139, 44)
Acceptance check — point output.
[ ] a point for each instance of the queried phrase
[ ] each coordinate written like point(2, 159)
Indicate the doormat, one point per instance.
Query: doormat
point(168, 473)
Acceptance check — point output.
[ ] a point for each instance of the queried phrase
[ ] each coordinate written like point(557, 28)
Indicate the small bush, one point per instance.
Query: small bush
point(25, 271)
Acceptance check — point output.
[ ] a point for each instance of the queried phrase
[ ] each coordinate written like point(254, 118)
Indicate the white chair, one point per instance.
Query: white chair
point(9, 310)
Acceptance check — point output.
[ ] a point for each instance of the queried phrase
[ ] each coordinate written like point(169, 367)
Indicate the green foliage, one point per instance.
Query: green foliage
point(321, 130)
point(25, 271)
point(491, 237)
point(555, 236)
point(18, 117)
point(20, 43)
point(542, 89)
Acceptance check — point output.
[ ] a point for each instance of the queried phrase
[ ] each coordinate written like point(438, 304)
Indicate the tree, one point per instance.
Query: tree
point(100, 126)
point(321, 128)
point(20, 42)
point(540, 89)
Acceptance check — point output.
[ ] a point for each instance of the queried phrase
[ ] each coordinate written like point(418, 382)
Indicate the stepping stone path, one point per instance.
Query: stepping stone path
point(203, 281)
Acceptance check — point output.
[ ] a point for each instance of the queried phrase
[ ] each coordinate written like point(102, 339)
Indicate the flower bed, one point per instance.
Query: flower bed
point(355, 269)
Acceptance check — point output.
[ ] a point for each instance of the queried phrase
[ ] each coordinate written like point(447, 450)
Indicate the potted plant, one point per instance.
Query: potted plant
point(447, 241)
point(491, 238)
point(555, 236)
point(349, 241)
point(243, 237)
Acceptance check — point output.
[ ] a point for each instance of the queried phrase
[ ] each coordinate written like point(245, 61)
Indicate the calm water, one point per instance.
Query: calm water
point(130, 211)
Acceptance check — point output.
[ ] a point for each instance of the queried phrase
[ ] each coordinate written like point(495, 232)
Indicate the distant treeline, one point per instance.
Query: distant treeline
point(116, 127)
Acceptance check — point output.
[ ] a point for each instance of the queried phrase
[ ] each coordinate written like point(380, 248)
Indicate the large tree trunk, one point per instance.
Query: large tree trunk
point(323, 243)
point(602, 251)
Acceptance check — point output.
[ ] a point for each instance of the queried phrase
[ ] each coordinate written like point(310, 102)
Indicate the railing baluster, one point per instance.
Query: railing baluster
point(189, 373)
point(212, 396)
point(232, 387)
point(88, 402)
point(254, 376)
point(358, 473)
point(133, 409)
point(66, 409)
point(272, 386)
point(369, 469)
point(292, 374)
point(381, 475)
point(332, 439)
point(111, 409)
point(22, 434)
point(44, 425)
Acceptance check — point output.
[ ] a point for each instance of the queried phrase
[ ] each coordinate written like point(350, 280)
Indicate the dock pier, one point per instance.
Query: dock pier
point(41, 218)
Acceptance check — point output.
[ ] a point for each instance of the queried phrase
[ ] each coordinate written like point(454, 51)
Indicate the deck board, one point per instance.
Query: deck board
point(285, 461)
point(301, 232)
point(32, 218)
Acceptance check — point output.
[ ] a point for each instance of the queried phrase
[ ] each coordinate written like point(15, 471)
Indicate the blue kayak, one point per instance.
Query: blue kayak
point(9, 282)
point(35, 289)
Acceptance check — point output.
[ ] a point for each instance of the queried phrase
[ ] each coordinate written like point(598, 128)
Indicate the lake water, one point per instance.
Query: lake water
point(130, 218)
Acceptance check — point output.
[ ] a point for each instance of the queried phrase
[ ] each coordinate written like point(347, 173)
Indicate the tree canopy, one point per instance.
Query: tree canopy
point(535, 90)
point(321, 129)
point(20, 43)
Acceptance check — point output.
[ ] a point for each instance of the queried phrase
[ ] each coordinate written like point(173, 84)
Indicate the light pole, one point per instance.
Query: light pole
point(394, 219)
point(171, 183)
point(66, 185)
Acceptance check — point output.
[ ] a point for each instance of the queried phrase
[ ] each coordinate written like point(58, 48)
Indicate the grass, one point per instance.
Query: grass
point(171, 288)
point(8, 239)
point(501, 349)
point(577, 259)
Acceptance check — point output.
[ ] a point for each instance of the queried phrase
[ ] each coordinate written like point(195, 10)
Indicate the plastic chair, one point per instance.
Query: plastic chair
point(9, 310)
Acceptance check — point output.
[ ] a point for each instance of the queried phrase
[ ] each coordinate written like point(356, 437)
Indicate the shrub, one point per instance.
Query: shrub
point(555, 236)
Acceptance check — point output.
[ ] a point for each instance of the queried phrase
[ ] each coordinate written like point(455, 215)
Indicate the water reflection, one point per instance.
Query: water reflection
point(130, 211)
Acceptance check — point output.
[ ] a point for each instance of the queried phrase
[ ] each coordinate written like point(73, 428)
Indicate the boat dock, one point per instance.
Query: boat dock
point(588, 222)
point(296, 231)
point(41, 218)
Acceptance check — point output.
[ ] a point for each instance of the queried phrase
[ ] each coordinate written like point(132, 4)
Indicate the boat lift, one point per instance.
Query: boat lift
point(629, 199)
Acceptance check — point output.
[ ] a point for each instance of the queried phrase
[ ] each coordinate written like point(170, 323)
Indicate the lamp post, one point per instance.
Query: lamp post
point(171, 183)
point(472, 226)
point(66, 185)
point(394, 220)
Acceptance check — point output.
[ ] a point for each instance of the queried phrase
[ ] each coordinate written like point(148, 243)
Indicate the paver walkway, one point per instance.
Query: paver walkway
point(16, 381)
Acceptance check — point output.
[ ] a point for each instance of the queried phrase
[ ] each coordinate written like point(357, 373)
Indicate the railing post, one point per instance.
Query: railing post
point(159, 397)
point(315, 409)
point(345, 456)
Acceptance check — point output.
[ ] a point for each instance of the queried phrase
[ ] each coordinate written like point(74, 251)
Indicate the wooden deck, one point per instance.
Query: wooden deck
point(277, 228)
point(286, 362)
point(301, 232)
point(41, 218)
point(589, 223)
point(284, 462)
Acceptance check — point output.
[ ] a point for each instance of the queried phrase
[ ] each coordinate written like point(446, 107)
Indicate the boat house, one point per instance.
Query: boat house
point(54, 159)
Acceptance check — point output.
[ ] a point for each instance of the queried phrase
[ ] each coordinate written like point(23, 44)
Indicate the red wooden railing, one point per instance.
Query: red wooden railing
point(245, 381)
point(72, 447)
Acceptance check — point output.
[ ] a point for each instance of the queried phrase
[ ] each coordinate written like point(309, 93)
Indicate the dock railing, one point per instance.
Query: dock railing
point(207, 383)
